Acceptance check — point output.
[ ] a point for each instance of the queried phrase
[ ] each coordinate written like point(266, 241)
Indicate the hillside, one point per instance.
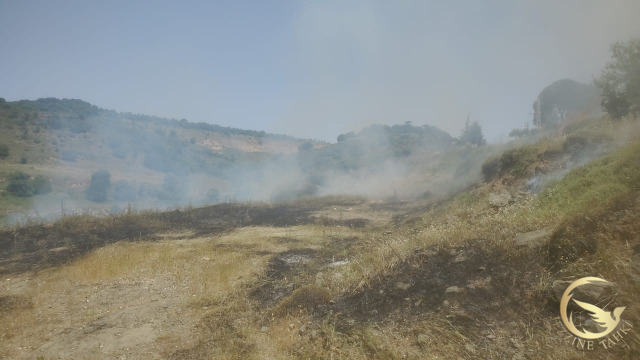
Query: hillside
point(157, 163)
point(67, 140)
point(473, 275)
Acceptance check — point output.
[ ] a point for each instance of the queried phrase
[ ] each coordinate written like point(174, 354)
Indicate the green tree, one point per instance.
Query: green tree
point(620, 80)
point(472, 133)
point(19, 184)
point(100, 182)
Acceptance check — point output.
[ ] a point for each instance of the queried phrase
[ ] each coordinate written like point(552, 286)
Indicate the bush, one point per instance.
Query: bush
point(40, 185)
point(516, 161)
point(574, 144)
point(100, 182)
point(21, 184)
point(491, 167)
point(4, 151)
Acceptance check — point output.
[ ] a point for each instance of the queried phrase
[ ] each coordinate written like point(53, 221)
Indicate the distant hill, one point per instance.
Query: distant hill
point(155, 162)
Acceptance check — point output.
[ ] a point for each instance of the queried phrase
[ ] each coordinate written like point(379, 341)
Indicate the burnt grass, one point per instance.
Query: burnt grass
point(40, 246)
point(490, 284)
point(290, 270)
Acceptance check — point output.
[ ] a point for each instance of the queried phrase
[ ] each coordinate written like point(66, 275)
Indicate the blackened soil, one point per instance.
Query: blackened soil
point(283, 275)
point(42, 246)
point(291, 269)
point(470, 284)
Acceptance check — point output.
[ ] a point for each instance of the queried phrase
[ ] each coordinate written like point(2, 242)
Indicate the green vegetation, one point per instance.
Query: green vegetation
point(100, 182)
point(595, 185)
point(563, 99)
point(620, 81)
point(472, 133)
point(22, 185)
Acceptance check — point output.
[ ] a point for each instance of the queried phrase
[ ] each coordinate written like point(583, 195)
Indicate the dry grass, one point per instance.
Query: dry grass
point(182, 295)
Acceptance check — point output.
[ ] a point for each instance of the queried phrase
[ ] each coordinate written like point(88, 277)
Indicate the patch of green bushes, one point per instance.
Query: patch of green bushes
point(23, 185)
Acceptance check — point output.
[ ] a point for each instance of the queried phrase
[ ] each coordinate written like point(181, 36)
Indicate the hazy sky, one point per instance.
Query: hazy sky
point(313, 69)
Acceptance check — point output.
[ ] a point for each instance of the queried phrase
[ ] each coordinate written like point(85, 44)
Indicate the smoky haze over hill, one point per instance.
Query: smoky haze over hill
point(105, 161)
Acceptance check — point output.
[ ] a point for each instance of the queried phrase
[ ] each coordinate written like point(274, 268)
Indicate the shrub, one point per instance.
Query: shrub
point(100, 182)
point(491, 167)
point(574, 144)
point(19, 184)
point(40, 185)
point(516, 161)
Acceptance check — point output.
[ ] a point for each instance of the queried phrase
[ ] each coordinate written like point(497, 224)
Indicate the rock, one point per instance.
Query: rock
point(453, 289)
point(481, 283)
point(470, 348)
point(461, 257)
point(303, 328)
point(264, 329)
point(516, 343)
point(403, 286)
point(533, 239)
point(499, 198)
point(591, 293)
point(462, 317)
point(417, 303)
point(314, 334)
point(423, 339)
point(338, 263)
